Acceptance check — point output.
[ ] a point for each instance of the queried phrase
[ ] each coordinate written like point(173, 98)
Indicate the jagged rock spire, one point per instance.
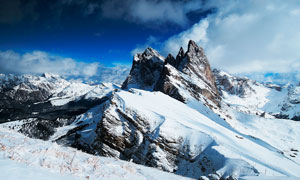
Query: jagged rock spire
point(145, 70)
point(180, 54)
point(150, 72)
point(170, 60)
point(196, 62)
point(195, 65)
point(192, 46)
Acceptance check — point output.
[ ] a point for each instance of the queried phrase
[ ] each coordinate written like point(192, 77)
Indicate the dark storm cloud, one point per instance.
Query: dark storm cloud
point(138, 11)
point(153, 11)
point(23, 11)
point(14, 11)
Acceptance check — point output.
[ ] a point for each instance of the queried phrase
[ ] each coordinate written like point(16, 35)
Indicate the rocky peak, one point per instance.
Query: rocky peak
point(145, 70)
point(195, 62)
point(170, 60)
point(195, 65)
point(193, 47)
point(175, 61)
point(179, 57)
point(149, 54)
point(191, 71)
point(50, 76)
point(180, 53)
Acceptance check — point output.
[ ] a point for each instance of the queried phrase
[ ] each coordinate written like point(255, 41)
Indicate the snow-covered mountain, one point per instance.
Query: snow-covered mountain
point(175, 114)
point(280, 101)
point(46, 102)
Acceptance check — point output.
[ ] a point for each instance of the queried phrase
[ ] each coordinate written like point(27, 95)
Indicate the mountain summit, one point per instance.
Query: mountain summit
point(189, 72)
point(145, 71)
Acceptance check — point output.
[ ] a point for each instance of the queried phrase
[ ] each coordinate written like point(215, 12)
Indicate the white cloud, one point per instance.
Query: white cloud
point(247, 36)
point(38, 62)
point(116, 74)
point(197, 33)
point(90, 69)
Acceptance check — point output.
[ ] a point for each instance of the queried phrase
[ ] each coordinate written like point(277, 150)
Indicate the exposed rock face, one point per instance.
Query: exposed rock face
point(194, 61)
point(240, 86)
point(145, 71)
point(191, 72)
point(141, 142)
point(291, 104)
point(188, 72)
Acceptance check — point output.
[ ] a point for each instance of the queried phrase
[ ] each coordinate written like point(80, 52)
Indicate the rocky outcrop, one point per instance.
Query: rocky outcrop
point(145, 70)
point(195, 62)
point(240, 86)
point(190, 72)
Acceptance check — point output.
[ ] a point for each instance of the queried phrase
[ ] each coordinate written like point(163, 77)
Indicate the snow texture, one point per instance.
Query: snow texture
point(25, 158)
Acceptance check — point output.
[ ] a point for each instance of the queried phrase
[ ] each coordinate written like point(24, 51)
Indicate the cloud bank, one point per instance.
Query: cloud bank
point(247, 36)
point(38, 62)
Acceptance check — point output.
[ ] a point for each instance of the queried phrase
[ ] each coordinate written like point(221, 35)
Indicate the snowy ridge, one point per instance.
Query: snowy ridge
point(242, 148)
point(177, 116)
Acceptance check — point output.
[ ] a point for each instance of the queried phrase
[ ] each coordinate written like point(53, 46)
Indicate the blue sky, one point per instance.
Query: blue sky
point(78, 37)
point(64, 28)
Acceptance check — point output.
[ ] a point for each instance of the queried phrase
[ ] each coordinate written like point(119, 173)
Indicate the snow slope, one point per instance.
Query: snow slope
point(12, 170)
point(244, 145)
point(197, 130)
point(231, 151)
point(25, 158)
